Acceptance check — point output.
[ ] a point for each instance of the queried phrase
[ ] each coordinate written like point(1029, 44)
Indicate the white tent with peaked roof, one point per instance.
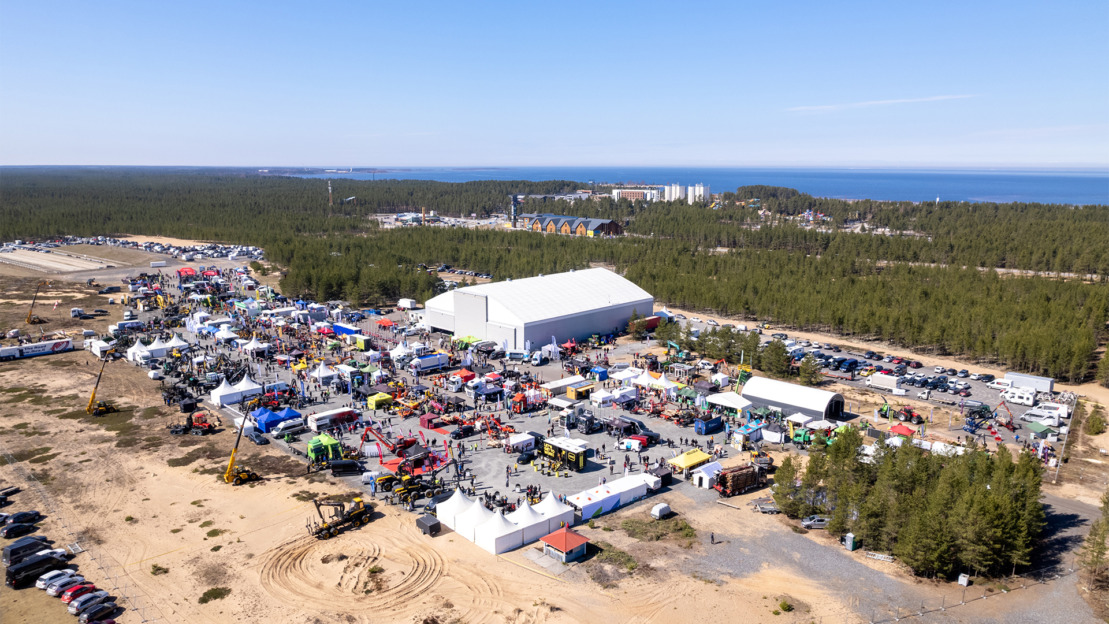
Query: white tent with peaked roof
point(498, 535)
point(225, 394)
point(532, 523)
point(323, 373)
point(448, 511)
point(254, 345)
point(176, 342)
point(556, 512)
point(466, 523)
point(247, 387)
point(136, 350)
point(157, 348)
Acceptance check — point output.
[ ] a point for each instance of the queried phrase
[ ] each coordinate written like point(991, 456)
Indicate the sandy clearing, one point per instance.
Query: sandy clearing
point(161, 240)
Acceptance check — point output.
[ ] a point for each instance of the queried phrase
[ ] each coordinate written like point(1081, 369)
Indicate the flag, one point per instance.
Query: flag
point(380, 455)
point(56, 304)
point(422, 438)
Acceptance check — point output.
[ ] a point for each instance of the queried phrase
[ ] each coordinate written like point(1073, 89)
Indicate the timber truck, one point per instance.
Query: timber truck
point(737, 480)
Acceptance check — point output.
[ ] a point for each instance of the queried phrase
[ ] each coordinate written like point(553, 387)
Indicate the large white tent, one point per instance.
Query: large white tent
point(532, 523)
point(324, 374)
point(254, 345)
point(247, 387)
point(596, 501)
point(556, 512)
point(224, 335)
point(177, 343)
point(466, 523)
point(498, 535)
point(157, 348)
point(225, 394)
point(730, 400)
point(448, 511)
point(569, 305)
point(135, 351)
point(790, 398)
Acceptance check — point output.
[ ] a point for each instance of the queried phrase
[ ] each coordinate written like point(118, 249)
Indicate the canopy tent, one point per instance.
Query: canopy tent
point(323, 373)
point(466, 523)
point(497, 535)
point(465, 375)
point(531, 523)
point(225, 335)
point(254, 345)
point(247, 387)
point(823, 425)
point(600, 373)
point(385, 323)
point(720, 380)
point(379, 400)
point(690, 459)
point(902, 430)
point(176, 343)
point(261, 412)
point(448, 510)
point(729, 400)
point(601, 398)
point(288, 413)
point(774, 433)
point(556, 512)
point(157, 348)
point(800, 419)
point(225, 394)
point(399, 351)
point(625, 375)
point(267, 423)
point(687, 393)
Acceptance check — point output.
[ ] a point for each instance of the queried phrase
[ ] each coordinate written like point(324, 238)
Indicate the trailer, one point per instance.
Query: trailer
point(706, 425)
point(737, 480)
point(35, 348)
point(1039, 384)
point(332, 418)
point(430, 362)
point(879, 381)
point(157, 264)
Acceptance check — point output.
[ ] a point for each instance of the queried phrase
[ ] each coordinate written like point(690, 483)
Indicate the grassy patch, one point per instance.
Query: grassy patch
point(198, 502)
point(158, 570)
point(304, 496)
point(376, 569)
point(651, 530)
point(216, 593)
point(216, 532)
point(42, 459)
point(216, 548)
point(175, 530)
point(150, 412)
point(206, 524)
point(207, 453)
point(28, 454)
point(613, 555)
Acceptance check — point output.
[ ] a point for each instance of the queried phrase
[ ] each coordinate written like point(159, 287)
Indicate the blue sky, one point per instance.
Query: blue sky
point(890, 84)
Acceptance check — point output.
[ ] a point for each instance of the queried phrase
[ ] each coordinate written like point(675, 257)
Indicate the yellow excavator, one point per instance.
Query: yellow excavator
point(238, 475)
point(32, 318)
point(100, 408)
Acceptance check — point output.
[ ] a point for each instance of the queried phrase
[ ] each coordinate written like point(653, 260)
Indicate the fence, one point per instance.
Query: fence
point(116, 578)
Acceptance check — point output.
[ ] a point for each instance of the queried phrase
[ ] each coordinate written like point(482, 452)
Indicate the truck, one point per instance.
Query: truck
point(879, 381)
point(157, 264)
point(35, 348)
point(429, 362)
point(739, 479)
point(332, 418)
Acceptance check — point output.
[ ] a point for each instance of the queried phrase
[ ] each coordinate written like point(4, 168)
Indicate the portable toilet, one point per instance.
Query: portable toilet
point(849, 542)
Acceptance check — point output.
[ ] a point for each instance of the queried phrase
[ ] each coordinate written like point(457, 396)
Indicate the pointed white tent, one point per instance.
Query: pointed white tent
point(157, 348)
point(323, 373)
point(226, 334)
point(498, 535)
point(645, 380)
point(556, 512)
point(468, 521)
point(253, 345)
point(399, 351)
point(225, 394)
point(176, 343)
point(136, 350)
point(247, 387)
point(448, 511)
point(531, 523)
point(664, 383)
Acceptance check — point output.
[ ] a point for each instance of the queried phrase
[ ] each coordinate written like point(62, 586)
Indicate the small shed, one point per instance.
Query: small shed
point(428, 525)
point(565, 544)
point(429, 421)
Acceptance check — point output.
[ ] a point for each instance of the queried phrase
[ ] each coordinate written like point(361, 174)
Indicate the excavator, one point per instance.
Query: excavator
point(100, 408)
point(394, 447)
point(238, 475)
point(32, 318)
point(358, 514)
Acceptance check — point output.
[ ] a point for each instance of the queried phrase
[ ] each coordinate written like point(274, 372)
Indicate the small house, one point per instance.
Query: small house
point(565, 545)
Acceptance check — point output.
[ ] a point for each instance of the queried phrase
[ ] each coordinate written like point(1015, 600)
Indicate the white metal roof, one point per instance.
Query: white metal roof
point(761, 389)
point(535, 299)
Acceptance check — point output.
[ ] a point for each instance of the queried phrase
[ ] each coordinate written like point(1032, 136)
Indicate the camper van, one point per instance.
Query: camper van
point(1019, 396)
point(331, 418)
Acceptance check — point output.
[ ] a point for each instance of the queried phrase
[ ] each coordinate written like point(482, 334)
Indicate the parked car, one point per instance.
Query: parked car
point(712, 322)
point(88, 600)
point(77, 591)
point(526, 457)
point(53, 575)
point(939, 369)
point(257, 438)
point(60, 585)
point(870, 355)
point(951, 372)
point(815, 522)
point(97, 613)
point(15, 530)
point(24, 517)
point(463, 431)
point(964, 373)
point(975, 376)
point(915, 364)
point(779, 336)
point(986, 378)
point(60, 553)
point(680, 317)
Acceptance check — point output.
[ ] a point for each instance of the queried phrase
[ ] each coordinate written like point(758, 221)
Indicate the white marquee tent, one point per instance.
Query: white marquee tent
point(556, 512)
point(498, 535)
point(324, 374)
point(225, 394)
point(177, 343)
point(447, 511)
point(226, 334)
point(247, 387)
point(136, 350)
point(466, 523)
point(254, 345)
point(532, 524)
point(595, 501)
point(157, 348)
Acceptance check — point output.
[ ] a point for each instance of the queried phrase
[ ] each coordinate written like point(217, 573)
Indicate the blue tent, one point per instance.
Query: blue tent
point(259, 413)
point(600, 373)
point(268, 422)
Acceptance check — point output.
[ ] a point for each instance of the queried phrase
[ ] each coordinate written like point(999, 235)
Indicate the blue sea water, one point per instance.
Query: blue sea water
point(1001, 185)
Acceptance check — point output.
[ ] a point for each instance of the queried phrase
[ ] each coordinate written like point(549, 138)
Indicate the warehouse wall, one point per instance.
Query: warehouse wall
point(582, 326)
point(470, 314)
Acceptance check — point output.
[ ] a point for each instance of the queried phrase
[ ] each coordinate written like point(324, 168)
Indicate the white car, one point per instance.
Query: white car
point(58, 587)
point(713, 323)
point(975, 376)
point(50, 577)
point(695, 320)
point(940, 370)
point(60, 553)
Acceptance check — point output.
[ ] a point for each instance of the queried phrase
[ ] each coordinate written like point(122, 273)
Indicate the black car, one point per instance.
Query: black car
point(526, 457)
point(429, 507)
point(97, 612)
point(779, 336)
point(987, 378)
point(24, 517)
point(257, 438)
point(870, 355)
point(464, 431)
point(15, 530)
point(952, 372)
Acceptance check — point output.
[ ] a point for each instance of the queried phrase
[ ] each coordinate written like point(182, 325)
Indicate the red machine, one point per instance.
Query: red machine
point(394, 447)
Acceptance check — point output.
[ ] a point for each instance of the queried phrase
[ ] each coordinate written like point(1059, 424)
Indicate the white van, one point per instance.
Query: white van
point(1019, 396)
point(1000, 384)
point(289, 426)
point(1049, 409)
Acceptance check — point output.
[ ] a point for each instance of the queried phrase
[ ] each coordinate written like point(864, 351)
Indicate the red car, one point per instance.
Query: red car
point(77, 591)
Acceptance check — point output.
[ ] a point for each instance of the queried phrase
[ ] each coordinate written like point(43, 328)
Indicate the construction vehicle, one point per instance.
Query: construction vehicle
point(32, 318)
point(763, 460)
point(905, 413)
point(739, 479)
point(977, 417)
point(238, 475)
point(358, 514)
point(395, 448)
point(802, 438)
point(100, 408)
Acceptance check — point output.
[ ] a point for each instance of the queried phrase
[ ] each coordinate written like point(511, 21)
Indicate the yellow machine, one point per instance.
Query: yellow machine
point(237, 475)
point(99, 408)
point(32, 319)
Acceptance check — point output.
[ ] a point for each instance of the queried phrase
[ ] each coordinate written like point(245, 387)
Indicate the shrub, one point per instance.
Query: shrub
point(216, 593)
point(785, 606)
point(158, 570)
point(1095, 424)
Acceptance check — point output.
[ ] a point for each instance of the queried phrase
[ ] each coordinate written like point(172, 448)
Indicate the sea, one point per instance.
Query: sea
point(1049, 186)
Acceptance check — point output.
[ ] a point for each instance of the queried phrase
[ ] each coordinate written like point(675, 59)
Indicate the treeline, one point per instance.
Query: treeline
point(855, 284)
point(976, 513)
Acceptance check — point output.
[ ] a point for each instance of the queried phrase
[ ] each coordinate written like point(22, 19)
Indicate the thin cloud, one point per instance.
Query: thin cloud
point(823, 108)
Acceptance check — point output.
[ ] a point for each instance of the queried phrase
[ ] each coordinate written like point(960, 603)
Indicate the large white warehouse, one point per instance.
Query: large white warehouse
point(793, 399)
point(575, 305)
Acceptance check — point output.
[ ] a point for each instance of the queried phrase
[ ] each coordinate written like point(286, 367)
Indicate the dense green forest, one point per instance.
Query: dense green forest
point(977, 512)
point(908, 289)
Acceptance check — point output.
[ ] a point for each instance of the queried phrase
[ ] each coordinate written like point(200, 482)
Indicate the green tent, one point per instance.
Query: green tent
point(1036, 427)
point(688, 392)
point(324, 447)
point(369, 368)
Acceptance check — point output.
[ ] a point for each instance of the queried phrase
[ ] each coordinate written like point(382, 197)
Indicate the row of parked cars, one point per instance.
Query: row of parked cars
point(33, 559)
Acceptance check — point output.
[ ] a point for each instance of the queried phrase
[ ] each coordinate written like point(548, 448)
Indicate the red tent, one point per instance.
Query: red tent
point(186, 271)
point(493, 377)
point(902, 430)
point(385, 323)
point(210, 273)
point(465, 375)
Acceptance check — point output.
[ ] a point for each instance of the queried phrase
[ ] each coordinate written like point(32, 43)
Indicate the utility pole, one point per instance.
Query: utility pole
point(330, 201)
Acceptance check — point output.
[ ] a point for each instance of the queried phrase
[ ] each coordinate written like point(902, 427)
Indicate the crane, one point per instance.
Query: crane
point(401, 443)
point(101, 408)
point(237, 475)
point(31, 318)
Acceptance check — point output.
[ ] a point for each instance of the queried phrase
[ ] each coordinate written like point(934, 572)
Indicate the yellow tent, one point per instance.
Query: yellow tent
point(690, 459)
point(377, 400)
point(300, 366)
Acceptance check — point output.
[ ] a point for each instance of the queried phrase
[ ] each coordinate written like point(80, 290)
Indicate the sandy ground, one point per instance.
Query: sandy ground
point(209, 534)
point(162, 240)
point(61, 260)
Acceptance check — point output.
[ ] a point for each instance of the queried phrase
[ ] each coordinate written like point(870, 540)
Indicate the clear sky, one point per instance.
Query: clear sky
point(733, 83)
